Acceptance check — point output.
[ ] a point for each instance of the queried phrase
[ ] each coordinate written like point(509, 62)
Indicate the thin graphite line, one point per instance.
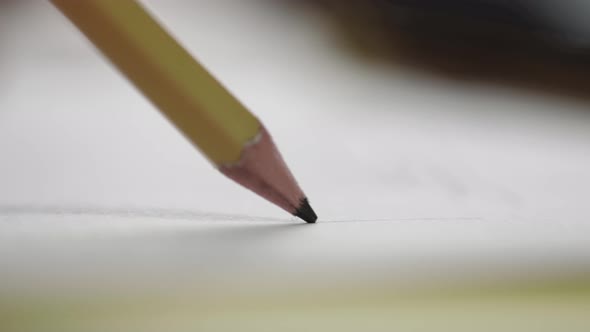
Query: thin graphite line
point(183, 214)
point(427, 219)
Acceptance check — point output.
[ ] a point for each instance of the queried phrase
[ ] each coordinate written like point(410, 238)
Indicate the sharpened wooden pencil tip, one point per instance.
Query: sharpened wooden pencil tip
point(305, 212)
point(262, 170)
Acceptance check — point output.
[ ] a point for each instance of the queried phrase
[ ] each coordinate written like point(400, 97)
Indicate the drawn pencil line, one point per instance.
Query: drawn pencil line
point(442, 219)
point(185, 214)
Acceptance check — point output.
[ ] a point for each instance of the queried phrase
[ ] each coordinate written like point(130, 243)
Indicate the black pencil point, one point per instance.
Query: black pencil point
point(305, 212)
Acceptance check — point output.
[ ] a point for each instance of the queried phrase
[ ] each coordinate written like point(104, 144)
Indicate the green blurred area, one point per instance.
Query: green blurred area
point(562, 306)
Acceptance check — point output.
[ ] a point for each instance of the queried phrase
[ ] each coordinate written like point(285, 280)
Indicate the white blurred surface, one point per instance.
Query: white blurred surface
point(413, 177)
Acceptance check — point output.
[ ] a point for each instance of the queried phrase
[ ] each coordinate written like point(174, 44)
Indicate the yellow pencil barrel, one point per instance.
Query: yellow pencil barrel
point(205, 112)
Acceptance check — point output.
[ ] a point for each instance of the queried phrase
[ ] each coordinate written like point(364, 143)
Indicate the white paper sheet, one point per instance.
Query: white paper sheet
point(413, 177)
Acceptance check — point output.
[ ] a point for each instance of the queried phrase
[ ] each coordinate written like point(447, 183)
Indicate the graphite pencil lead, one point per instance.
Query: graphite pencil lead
point(305, 212)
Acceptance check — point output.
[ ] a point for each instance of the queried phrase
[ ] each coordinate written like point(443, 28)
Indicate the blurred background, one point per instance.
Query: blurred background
point(444, 146)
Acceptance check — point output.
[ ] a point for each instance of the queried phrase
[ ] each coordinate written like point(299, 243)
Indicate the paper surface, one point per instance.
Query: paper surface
point(413, 177)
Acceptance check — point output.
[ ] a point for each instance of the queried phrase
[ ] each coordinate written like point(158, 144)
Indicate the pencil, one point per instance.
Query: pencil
point(233, 139)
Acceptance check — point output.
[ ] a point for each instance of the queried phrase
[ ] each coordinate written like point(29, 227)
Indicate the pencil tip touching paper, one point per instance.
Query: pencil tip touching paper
point(305, 212)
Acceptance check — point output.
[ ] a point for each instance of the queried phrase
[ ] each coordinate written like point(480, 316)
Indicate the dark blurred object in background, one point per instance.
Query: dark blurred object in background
point(541, 46)
point(554, 24)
